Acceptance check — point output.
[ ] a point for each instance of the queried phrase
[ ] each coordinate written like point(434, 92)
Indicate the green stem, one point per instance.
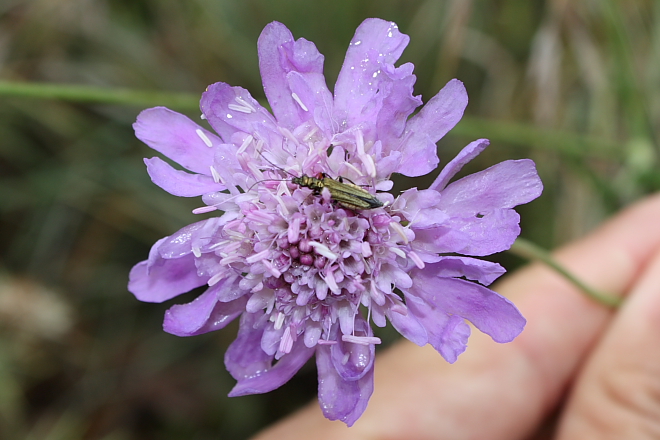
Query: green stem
point(526, 249)
point(100, 95)
point(567, 143)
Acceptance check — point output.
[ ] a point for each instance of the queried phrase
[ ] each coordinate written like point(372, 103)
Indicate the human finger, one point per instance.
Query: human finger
point(501, 391)
point(617, 394)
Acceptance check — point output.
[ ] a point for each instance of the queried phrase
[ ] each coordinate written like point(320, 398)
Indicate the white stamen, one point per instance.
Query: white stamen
point(322, 249)
point(326, 342)
point(269, 266)
point(359, 142)
point(256, 172)
point(279, 320)
point(345, 359)
point(258, 256)
point(245, 103)
point(415, 258)
point(399, 230)
point(366, 159)
point(331, 282)
point(227, 247)
point(204, 209)
point(293, 233)
point(203, 116)
point(215, 174)
point(260, 217)
point(300, 103)
point(287, 134)
point(353, 167)
point(398, 251)
point(239, 108)
point(245, 144)
point(362, 340)
point(234, 234)
point(366, 249)
point(232, 258)
point(215, 278)
point(369, 165)
point(286, 343)
point(203, 137)
point(196, 251)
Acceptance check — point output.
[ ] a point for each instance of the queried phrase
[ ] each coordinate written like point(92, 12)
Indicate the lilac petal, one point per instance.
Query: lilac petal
point(202, 237)
point(409, 327)
point(177, 137)
point(277, 375)
point(440, 240)
point(388, 164)
point(341, 399)
point(482, 271)
point(505, 185)
point(421, 208)
point(427, 127)
point(180, 183)
point(472, 150)
point(454, 339)
point(487, 310)
point(270, 341)
point(446, 333)
point(352, 361)
point(421, 159)
point(493, 232)
point(314, 100)
point(204, 314)
point(230, 290)
point(474, 235)
point(226, 161)
point(273, 73)
point(398, 104)
point(179, 244)
point(287, 67)
point(252, 367)
point(232, 109)
point(158, 279)
point(397, 276)
point(244, 357)
point(376, 44)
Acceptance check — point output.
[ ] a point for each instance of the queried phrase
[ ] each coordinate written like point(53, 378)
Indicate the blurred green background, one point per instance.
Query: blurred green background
point(575, 85)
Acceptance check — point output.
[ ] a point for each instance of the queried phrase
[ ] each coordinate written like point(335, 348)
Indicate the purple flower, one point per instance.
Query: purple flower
point(306, 273)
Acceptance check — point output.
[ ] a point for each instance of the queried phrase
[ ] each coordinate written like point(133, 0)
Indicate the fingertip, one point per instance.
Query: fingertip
point(616, 393)
point(563, 323)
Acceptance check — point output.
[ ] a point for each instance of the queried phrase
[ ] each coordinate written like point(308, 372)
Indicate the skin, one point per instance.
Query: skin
point(578, 370)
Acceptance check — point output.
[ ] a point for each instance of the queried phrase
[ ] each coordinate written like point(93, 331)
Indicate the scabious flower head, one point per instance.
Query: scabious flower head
point(306, 273)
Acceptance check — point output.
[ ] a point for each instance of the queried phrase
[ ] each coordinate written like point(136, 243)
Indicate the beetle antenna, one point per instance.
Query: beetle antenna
point(265, 180)
point(276, 166)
